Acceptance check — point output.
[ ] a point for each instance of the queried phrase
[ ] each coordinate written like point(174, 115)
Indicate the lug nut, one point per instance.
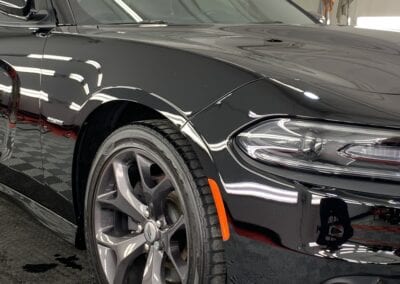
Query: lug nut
point(139, 229)
point(159, 224)
point(147, 213)
point(157, 245)
point(146, 247)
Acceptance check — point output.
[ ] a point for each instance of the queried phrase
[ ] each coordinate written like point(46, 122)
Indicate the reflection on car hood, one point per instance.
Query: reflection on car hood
point(336, 58)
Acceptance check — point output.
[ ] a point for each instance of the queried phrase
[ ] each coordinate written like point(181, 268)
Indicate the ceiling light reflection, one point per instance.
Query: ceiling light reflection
point(262, 191)
point(128, 10)
point(103, 98)
point(75, 106)
point(26, 92)
point(33, 70)
point(50, 57)
point(93, 63)
point(287, 85)
point(307, 94)
point(55, 121)
point(35, 94)
point(311, 96)
point(218, 146)
point(96, 65)
point(6, 89)
point(76, 77)
point(176, 119)
point(86, 89)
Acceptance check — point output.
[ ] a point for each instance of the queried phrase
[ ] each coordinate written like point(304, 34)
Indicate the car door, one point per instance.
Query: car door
point(77, 75)
point(21, 47)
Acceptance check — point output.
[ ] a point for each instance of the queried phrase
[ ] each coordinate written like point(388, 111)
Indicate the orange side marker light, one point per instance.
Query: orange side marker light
point(219, 204)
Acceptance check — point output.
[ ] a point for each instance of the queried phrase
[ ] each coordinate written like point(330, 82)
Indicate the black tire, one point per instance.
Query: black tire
point(165, 143)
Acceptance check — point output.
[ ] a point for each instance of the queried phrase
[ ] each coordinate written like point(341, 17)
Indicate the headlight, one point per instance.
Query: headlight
point(330, 148)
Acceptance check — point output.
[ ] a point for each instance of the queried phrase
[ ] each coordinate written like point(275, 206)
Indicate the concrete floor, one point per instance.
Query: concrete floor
point(30, 253)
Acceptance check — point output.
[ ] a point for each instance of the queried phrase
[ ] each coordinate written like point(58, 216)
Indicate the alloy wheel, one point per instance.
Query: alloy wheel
point(139, 221)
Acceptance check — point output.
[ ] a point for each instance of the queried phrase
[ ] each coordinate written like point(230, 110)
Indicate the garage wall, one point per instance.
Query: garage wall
point(377, 11)
point(376, 14)
point(376, 8)
point(361, 7)
point(309, 5)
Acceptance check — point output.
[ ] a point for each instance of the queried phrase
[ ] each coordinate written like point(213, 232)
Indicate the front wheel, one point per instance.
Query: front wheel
point(149, 211)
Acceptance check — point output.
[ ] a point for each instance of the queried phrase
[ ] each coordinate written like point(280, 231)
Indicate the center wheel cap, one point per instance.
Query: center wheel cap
point(151, 232)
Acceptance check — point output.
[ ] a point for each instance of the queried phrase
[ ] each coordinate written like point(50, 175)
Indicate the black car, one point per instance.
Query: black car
point(151, 131)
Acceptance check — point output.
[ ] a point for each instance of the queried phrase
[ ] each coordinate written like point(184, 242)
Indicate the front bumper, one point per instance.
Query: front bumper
point(324, 226)
point(352, 224)
point(290, 230)
point(254, 262)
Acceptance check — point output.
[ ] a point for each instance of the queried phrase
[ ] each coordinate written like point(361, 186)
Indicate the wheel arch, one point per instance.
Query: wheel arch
point(107, 111)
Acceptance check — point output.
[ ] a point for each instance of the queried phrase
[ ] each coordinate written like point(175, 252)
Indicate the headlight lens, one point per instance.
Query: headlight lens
point(331, 148)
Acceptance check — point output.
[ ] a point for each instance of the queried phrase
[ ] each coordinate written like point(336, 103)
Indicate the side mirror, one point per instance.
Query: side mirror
point(17, 8)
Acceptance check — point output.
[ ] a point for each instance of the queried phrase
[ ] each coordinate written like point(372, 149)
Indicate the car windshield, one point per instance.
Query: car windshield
point(188, 11)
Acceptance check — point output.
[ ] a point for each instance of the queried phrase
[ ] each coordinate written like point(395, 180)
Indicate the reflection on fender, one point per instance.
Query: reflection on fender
point(9, 107)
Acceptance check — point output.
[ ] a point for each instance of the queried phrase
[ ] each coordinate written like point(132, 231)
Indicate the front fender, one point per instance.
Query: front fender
point(152, 101)
point(135, 95)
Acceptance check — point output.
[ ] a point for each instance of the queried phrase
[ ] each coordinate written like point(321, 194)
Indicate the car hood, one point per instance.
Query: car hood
point(335, 58)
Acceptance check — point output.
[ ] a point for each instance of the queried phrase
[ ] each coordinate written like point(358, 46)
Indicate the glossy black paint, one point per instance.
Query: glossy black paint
point(211, 82)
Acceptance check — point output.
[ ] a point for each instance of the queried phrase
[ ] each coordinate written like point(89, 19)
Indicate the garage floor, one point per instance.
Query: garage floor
point(30, 253)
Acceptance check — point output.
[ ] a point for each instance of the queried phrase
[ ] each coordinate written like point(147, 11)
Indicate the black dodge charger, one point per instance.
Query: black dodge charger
point(150, 132)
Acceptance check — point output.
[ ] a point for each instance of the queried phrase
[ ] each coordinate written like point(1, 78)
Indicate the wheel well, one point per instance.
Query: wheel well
point(99, 125)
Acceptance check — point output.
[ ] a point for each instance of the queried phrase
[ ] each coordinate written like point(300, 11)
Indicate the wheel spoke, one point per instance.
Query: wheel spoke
point(144, 166)
point(107, 197)
point(173, 251)
point(125, 201)
point(158, 194)
point(154, 193)
point(178, 225)
point(179, 264)
point(126, 249)
point(152, 271)
point(122, 246)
